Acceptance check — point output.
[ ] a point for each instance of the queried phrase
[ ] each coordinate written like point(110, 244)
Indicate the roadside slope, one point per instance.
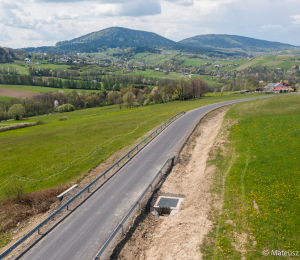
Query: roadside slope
point(179, 236)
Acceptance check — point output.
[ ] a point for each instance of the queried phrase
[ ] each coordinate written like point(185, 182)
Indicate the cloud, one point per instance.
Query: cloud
point(296, 19)
point(181, 2)
point(12, 14)
point(64, 15)
point(267, 27)
point(4, 36)
point(133, 8)
point(171, 32)
point(11, 5)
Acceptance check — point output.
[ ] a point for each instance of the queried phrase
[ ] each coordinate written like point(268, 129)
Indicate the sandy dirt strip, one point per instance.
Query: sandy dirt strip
point(179, 236)
point(16, 93)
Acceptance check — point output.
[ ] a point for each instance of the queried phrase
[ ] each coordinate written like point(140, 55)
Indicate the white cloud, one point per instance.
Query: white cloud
point(171, 32)
point(4, 36)
point(65, 15)
point(134, 8)
point(106, 9)
point(50, 21)
point(267, 27)
point(182, 2)
point(296, 19)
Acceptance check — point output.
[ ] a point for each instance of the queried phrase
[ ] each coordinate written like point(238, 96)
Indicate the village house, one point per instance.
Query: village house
point(281, 89)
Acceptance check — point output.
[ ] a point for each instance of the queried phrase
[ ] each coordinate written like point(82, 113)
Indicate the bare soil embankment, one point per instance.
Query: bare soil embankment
point(179, 236)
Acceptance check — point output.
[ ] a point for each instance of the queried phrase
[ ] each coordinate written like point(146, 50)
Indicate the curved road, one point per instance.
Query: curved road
point(81, 235)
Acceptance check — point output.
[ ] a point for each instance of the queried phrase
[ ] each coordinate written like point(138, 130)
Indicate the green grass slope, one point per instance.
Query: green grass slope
point(46, 155)
point(261, 200)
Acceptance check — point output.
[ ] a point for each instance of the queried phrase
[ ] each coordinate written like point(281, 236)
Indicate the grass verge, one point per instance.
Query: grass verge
point(257, 179)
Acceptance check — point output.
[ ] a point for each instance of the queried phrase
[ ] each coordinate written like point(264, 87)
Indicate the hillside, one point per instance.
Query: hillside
point(121, 37)
point(9, 55)
point(117, 36)
point(234, 41)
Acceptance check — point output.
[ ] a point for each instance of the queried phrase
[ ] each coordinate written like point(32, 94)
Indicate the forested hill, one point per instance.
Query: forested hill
point(116, 36)
point(9, 55)
point(234, 41)
point(120, 37)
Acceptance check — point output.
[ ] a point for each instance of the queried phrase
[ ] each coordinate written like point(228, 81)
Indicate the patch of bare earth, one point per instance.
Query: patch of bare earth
point(179, 236)
point(16, 93)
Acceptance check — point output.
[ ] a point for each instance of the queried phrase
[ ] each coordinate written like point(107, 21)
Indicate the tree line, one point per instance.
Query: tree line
point(50, 102)
point(106, 82)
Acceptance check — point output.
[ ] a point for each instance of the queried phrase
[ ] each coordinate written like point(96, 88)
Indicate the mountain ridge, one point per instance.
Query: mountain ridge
point(234, 42)
point(112, 37)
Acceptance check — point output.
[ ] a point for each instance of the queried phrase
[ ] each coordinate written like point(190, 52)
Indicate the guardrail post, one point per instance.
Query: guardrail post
point(88, 189)
point(39, 231)
point(151, 187)
point(105, 176)
point(139, 205)
point(122, 230)
point(68, 207)
point(160, 174)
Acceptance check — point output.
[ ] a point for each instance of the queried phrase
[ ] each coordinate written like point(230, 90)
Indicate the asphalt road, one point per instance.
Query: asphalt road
point(81, 235)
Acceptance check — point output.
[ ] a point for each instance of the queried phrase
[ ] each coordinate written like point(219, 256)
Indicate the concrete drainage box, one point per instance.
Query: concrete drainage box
point(168, 205)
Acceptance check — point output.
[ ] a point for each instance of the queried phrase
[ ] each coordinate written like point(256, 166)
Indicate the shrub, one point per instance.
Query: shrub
point(3, 116)
point(63, 118)
point(40, 122)
point(65, 108)
point(17, 111)
point(146, 102)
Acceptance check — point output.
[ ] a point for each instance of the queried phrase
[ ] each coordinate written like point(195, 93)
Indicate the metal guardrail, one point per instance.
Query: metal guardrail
point(97, 257)
point(86, 188)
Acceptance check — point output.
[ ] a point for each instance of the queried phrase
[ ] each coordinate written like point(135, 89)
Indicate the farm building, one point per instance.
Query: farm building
point(281, 89)
point(272, 86)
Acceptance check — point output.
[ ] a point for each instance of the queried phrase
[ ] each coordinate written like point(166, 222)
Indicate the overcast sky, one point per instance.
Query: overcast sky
point(28, 23)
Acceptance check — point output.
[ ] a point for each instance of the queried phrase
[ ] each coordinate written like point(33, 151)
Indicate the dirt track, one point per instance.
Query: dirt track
point(16, 93)
point(180, 236)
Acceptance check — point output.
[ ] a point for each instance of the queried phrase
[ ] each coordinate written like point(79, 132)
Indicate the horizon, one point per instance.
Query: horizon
point(36, 23)
point(155, 33)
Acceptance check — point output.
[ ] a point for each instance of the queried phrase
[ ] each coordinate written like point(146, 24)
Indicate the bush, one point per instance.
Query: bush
point(17, 111)
point(146, 102)
point(3, 116)
point(40, 122)
point(63, 118)
point(65, 108)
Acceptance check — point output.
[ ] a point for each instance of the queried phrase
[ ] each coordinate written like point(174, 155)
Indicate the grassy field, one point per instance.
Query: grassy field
point(4, 98)
point(40, 154)
point(38, 89)
point(21, 69)
point(272, 63)
point(248, 64)
point(58, 67)
point(194, 62)
point(261, 170)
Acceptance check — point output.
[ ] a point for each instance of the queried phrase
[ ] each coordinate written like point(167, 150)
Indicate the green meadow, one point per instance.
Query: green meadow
point(21, 69)
point(58, 152)
point(261, 193)
point(38, 89)
point(4, 98)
